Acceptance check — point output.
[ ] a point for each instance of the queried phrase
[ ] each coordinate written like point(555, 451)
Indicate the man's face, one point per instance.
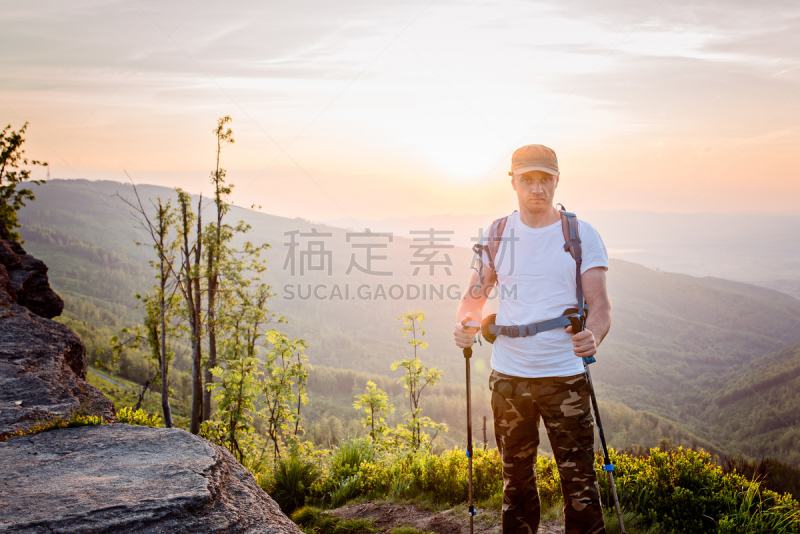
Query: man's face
point(535, 190)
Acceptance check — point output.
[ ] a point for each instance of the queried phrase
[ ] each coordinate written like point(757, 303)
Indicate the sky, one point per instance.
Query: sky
point(377, 109)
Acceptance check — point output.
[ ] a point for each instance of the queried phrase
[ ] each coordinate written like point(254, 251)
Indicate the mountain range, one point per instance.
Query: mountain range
point(717, 359)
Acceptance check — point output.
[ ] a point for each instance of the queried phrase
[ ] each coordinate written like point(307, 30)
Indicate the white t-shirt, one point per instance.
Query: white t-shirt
point(536, 282)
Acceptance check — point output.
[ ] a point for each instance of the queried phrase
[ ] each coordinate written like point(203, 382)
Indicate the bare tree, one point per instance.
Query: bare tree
point(214, 252)
point(189, 282)
point(158, 231)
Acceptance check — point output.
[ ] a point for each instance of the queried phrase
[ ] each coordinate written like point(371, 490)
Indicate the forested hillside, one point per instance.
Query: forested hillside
point(758, 407)
point(678, 348)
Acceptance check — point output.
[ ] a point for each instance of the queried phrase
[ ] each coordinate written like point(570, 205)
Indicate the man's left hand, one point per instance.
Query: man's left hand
point(583, 343)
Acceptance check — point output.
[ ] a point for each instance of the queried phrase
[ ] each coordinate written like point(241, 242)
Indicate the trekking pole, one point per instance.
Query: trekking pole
point(467, 356)
point(608, 467)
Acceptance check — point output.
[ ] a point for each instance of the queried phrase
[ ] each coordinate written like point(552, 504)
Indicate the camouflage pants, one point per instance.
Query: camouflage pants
point(564, 404)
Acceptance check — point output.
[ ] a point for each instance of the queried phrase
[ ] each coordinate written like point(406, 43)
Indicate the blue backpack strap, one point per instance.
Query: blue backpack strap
point(572, 244)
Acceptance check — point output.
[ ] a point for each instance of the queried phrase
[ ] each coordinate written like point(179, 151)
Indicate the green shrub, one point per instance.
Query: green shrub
point(684, 491)
point(348, 465)
point(348, 488)
point(445, 477)
point(139, 417)
point(347, 458)
point(55, 422)
point(671, 490)
point(291, 483)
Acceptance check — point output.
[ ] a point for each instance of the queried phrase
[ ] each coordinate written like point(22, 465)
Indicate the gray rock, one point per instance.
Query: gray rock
point(25, 279)
point(125, 479)
point(42, 371)
point(42, 363)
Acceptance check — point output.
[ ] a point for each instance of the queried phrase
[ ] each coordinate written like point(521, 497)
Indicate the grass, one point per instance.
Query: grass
point(314, 521)
point(350, 454)
point(291, 479)
point(633, 523)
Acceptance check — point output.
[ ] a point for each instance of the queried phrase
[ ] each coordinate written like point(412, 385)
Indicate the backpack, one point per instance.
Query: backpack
point(573, 316)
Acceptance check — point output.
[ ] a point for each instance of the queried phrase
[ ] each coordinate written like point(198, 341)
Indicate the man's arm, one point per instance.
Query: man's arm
point(471, 308)
point(598, 323)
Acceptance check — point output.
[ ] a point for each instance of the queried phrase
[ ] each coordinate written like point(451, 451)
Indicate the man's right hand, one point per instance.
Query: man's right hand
point(465, 335)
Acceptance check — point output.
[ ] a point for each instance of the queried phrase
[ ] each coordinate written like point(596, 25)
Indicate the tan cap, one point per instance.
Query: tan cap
point(534, 158)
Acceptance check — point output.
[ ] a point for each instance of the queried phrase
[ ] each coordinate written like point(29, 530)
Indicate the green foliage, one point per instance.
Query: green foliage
point(223, 267)
point(236, 322)
point(11, 157)
point(147, 336)
point(138, 417)
point(634, 523)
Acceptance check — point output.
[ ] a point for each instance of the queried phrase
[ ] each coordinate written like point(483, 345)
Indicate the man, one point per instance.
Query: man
point(542, 376)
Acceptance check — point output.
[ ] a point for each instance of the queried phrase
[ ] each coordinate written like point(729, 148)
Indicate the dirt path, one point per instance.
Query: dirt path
point(453, 521)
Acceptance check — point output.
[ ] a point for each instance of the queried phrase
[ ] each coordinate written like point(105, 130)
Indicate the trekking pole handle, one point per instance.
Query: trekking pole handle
point(577, 326)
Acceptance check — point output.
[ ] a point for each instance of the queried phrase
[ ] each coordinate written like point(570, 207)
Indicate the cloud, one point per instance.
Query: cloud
point(463, 81)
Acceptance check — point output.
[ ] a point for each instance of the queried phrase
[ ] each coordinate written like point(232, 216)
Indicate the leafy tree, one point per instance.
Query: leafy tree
point(416, 379)
point(11, 157)
point(375, 404)
point(237, 390)
point(286, 366)
point(239, 386)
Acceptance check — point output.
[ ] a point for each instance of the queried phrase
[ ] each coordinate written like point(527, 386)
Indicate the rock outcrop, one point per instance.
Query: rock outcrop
point(111, 478)
point(42, 363)
point(25, 279)
point(129, 479)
